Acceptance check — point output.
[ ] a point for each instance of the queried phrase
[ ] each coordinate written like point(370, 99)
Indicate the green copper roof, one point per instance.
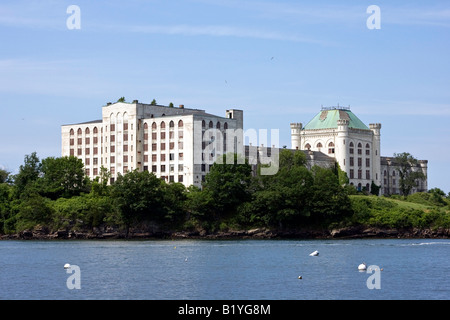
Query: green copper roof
point(327, 119)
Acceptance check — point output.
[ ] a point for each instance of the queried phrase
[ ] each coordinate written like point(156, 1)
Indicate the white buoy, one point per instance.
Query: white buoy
point(362, 267)
point(66, 266)
point(315, 253)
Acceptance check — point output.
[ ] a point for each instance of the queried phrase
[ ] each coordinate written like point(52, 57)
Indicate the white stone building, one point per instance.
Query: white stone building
point(176, 144)
point(340, 134)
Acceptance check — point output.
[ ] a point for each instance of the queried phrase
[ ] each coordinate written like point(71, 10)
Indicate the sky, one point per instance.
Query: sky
point(279, 61)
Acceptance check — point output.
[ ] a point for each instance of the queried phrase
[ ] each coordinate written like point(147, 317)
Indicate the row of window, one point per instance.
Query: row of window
point(360, 174)
point(352, 162)
point(331, 148)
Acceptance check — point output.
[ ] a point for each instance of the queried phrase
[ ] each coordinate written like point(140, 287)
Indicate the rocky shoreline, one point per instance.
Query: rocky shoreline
point(357, 232)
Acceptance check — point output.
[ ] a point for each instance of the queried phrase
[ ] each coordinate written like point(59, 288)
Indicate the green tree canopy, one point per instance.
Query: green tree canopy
point(138, 196)
point(62, 177)
point(406, 164)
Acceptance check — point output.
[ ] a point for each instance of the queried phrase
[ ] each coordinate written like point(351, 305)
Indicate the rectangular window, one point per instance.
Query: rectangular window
point(171, 145)
point(95, 161)
point(163, 135)
point(112, 138)
point(368, 174)
point(113, 159)
point(180, 145)
point(95, 172)
point(153, 135)
point(95, 150)
point(145, 147)
point(87, 151)
point(125, 126)
point(87, 161)
point(72, 152)
point(180, 156)
point(125, 148)
point(180, 168)
point(359, 162)
point(153, 146)
point(180, 178)
point(80, 141)
point(154, 168)
point(125, 159)
point(352, 174)
point(163, 146)
point(113, 127)
point(153, 157)
point(163, 157)
point(87, 140)
point(352, 162)
point(367, 162)
point(172, 156)
point(359, 174)
point(125, 137)
point(145, 158)
point(163, 168)
point(95, 140)
point(72, 142)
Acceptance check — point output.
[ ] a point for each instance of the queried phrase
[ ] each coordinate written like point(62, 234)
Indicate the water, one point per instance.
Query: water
point(241, 269)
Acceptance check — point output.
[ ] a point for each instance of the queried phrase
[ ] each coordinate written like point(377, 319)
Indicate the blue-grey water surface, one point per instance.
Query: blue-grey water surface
point(232, 269)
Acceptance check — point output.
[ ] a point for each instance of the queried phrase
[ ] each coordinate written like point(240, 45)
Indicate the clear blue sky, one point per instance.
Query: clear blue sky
point(279, 61)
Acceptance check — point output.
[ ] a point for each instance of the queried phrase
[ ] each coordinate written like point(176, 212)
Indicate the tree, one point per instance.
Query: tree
point(62, 177)
point(121, 99)
point(28, 174)
point(4, 176)
point(138, 196)
point(281, 198)
point(153, 103)
point(329, 199)
point(228, 184)
point(405, 162)
point(170, 105)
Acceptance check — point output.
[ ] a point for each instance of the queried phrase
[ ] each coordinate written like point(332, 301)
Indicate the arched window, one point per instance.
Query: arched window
point(225, 126)
point(72, 132)
point(95, 130)
point(180, 124)
point(146, 126)
point(359, 148)
point(154, 126)
point(367, 149)
point(79, 132)
point(331, 148)
point(319, 145)
point(163, 125)
point(218, 125)
point(211, 124)
point(203, 124)
point(171, 124)
point(351, 148)
point(308, 146)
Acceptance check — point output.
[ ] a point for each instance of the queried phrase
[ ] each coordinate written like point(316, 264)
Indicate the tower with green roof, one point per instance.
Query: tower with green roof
point(339, 133)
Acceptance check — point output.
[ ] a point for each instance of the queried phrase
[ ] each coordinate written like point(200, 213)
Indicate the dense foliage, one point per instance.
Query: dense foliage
point(56, 195)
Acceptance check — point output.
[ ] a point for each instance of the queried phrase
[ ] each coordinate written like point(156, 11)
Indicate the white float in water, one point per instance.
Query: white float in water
point(315, 253)
point(66, 266)
point(362, 267)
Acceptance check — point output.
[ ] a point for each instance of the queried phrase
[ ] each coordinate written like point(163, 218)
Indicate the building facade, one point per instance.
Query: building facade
point(338, 133)
point(176, 144)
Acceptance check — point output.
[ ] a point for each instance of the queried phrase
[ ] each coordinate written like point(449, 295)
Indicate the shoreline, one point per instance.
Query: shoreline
point(357, 232)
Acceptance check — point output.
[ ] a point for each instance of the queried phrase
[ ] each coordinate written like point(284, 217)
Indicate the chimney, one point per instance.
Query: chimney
point(181, 106)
